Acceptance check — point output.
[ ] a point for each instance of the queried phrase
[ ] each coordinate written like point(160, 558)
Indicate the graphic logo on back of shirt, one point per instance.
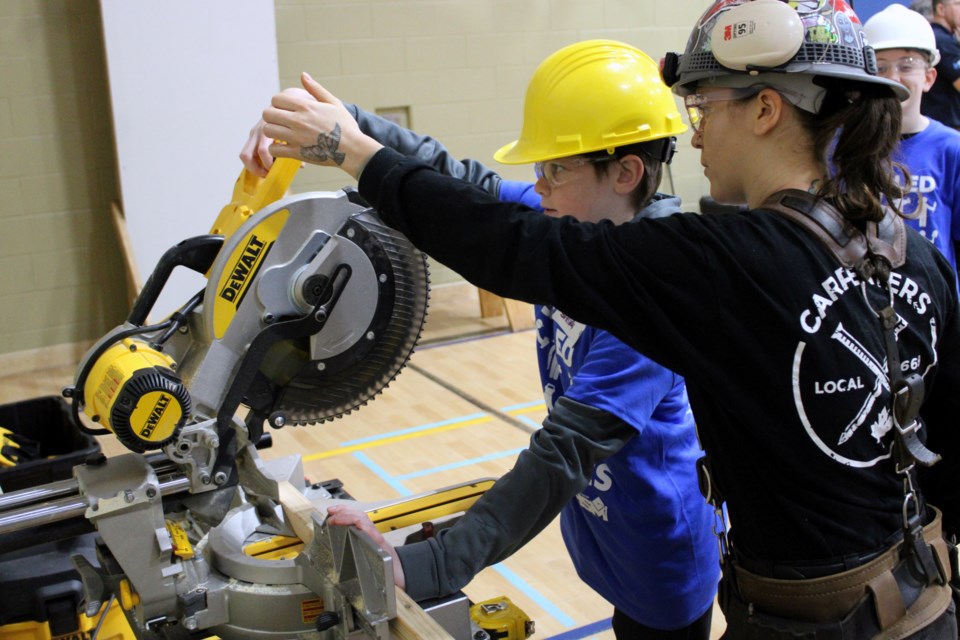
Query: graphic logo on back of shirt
point(847, 414)
point(602, 481)
point(917, 205)
point(566, 333)
point(594, 507)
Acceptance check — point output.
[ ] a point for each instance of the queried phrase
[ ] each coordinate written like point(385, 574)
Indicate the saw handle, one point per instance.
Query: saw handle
point(252, 193)
point(196, 253)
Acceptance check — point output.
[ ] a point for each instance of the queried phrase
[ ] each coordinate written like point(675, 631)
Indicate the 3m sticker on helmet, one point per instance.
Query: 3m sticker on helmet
point(821, 38)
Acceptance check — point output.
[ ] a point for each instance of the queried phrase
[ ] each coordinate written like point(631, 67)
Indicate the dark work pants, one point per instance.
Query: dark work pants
point(626, 628)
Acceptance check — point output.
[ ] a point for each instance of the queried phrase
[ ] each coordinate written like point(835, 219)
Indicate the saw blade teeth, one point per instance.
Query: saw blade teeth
point(311, 399)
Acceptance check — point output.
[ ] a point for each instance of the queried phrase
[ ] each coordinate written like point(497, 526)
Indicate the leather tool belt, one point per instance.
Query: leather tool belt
point(882, 599)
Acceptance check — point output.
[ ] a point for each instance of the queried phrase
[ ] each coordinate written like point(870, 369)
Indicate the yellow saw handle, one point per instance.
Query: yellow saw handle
point(252, 193)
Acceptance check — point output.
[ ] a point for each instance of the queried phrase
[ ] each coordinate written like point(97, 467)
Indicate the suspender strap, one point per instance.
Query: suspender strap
point(872, 254)
point(886, 239)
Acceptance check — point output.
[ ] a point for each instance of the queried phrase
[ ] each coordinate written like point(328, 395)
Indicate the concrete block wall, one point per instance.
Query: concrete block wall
point(461, 66)
point(61, 277)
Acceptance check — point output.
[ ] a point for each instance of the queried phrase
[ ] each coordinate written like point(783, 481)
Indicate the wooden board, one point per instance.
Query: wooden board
point(412, 622)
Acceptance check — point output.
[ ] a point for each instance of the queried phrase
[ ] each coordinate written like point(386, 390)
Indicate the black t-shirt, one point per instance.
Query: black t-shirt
point(942, 102)
point(783, 358)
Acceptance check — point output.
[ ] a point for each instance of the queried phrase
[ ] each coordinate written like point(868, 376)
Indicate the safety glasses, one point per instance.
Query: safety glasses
point(558, 172)
point(906, 66)
point(697, 104)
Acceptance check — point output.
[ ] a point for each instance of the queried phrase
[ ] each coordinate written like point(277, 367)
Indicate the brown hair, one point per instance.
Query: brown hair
point(855, 134)
point(652, 171)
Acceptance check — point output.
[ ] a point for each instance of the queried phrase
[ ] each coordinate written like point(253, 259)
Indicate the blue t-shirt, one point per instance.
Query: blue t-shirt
point(933, 205)
point(640, 534)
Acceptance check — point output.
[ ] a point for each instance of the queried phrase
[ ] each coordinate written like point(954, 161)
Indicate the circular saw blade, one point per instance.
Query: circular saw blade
point(304, 390)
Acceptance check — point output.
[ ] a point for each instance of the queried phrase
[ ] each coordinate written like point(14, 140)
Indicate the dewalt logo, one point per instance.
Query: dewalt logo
point(156, 414)
point(244, 269)
point(240, 269)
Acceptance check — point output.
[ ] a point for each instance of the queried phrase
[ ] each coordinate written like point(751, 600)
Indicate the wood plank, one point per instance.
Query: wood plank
point(412, 622)
point(133, 280)
point(491, 305)
point(520, 314)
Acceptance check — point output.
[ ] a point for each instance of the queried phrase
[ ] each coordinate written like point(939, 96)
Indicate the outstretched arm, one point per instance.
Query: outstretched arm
point(317, 129)
point(256, 156)
point(558, 464)
point(425, 148)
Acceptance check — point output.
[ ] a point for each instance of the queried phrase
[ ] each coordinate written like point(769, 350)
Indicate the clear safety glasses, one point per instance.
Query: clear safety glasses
point(558, 172)
point(906, 66)
point(697, 104)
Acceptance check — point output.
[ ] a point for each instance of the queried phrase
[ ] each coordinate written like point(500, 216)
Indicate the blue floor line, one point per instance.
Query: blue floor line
point(530, 421)
point(391, 434)
point(523, 405)
point(524, 587)
point(382, 474)
point(587, 630)
point(457, 465)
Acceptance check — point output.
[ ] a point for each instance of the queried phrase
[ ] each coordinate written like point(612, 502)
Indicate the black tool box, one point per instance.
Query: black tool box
point(62, 445)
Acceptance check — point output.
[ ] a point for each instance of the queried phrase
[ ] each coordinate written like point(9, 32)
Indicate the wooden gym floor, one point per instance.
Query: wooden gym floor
point(462, 409)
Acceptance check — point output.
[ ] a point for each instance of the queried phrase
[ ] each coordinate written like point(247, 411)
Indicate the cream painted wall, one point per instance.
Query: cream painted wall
point(460, 65)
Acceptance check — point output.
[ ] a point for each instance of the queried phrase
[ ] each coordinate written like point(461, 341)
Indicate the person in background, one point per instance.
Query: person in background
point(819, 336)
point(616, 456)
point(924, 8)
point(907, 53)
point(942, 101)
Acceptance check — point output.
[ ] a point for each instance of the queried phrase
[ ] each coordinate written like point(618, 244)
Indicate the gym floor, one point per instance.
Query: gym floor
point(461, 410)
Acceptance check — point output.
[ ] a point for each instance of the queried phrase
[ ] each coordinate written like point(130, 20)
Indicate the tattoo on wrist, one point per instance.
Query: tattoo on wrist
point(326, 148)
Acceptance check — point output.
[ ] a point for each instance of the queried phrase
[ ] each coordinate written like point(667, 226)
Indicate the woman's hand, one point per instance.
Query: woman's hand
point(255, 154)
point(348, 515)
point(316, 128)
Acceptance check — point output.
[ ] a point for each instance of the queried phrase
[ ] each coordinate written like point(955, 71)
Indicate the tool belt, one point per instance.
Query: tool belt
point(889, 597)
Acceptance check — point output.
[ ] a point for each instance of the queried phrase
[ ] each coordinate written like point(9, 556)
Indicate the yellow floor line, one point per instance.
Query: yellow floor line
point(407, 436)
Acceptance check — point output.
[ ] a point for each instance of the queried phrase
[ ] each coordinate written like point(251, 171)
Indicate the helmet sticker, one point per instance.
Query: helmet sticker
point(822, 38)
point(819, 30)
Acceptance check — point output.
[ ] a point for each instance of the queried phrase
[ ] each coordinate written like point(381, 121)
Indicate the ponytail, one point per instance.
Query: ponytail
point(855, 134)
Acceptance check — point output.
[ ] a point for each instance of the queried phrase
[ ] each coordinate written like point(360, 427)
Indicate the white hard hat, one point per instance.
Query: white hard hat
point(897, 27)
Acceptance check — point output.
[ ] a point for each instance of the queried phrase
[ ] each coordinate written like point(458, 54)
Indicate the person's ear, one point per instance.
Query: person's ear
point(629, 172)
point(768, 108)
point(929, 78)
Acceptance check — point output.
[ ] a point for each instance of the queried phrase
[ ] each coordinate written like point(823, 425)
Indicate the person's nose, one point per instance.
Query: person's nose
point(541, 187)
point(696, 140)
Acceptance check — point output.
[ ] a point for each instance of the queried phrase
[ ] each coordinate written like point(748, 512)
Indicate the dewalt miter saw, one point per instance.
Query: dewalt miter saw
point(311, 307)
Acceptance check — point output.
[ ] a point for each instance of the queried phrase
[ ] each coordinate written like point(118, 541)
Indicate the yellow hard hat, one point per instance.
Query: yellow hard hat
point(592, 95)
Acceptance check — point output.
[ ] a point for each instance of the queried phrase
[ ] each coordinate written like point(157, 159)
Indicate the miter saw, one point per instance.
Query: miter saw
point(311, 307)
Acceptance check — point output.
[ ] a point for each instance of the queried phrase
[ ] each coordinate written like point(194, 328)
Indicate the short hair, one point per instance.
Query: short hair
point(652, 170)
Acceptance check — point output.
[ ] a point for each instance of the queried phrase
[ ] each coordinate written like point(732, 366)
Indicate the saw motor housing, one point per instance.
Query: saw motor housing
point(135, 394)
